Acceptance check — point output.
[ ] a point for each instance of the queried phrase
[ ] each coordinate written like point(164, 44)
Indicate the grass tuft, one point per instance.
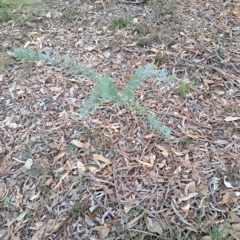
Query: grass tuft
point(161, 57)
point(121, 22)
point(183, 87)
point(77, 210)
point(5, 15)
point(144, 42)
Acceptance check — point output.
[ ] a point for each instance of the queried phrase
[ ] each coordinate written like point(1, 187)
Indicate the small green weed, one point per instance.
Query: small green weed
point(142, 28)
point(70, 14)
point(27, 150)
point(35, 170)
point(15, 2)
point(236, 130)
point(20, 11)
point(77, 210)
point(159, 10)
point(144, 42)
point(70, 150)
point(3, 61)
point(6, 204)
point(99, 141)
point(161, 57)
point(184, 142)
point(121, 22)
point(183, 87)
point(171, 42)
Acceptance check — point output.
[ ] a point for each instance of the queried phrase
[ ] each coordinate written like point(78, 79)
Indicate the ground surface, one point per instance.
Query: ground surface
point(109, 175)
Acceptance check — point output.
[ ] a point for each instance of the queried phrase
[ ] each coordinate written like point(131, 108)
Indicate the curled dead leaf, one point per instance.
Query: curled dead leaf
point(102, 230)
point(191, 195)
point(227, 184)
point(57, 226)
point(152, 161)
point(178, 169)
point(3, 190)
point(101, 158)
point(58, 157)
point(80, 144)
point(186, 208)
point(134, 222)
point(89, 221)
point(153, 225)
point(206, 238)
point(81, 167)
point(127, 208)
point(49, 14)
point(163, 149)
point(5, 158)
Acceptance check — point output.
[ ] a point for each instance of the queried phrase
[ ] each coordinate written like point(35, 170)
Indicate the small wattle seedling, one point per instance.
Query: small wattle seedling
point(104, 89)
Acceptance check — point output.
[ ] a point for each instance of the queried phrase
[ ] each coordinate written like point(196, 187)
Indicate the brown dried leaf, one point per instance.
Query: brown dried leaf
point(5, 158)
point(163, 149)
point(127, 208)
point(50, 225)
point(3, 190)
point(186, 208)
point(80, 144)
point(152, 161)
point(101, 158)
point(162, 164)
point(58, 157)
point(206, 238)
point(57, 226)
point(190, 187)
point(230, 119)
point(81, 167)
point(19, 198)
point(191, 195)
point(135, 221)
point(178, 169)
point(39, 233)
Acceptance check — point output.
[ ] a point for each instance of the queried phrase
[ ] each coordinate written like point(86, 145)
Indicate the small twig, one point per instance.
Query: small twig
point(65, 196)
point(212, 67)
point(226, 63)
point(118, 200)
point(182, 117)
point(130, 2)
point(147, 233)
point(208, 17)
point(224, 75)
point(18, 160)
point(146, 147)
point(179, 215)
point(168, 190)
point(90, 176)
point(100, 203)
